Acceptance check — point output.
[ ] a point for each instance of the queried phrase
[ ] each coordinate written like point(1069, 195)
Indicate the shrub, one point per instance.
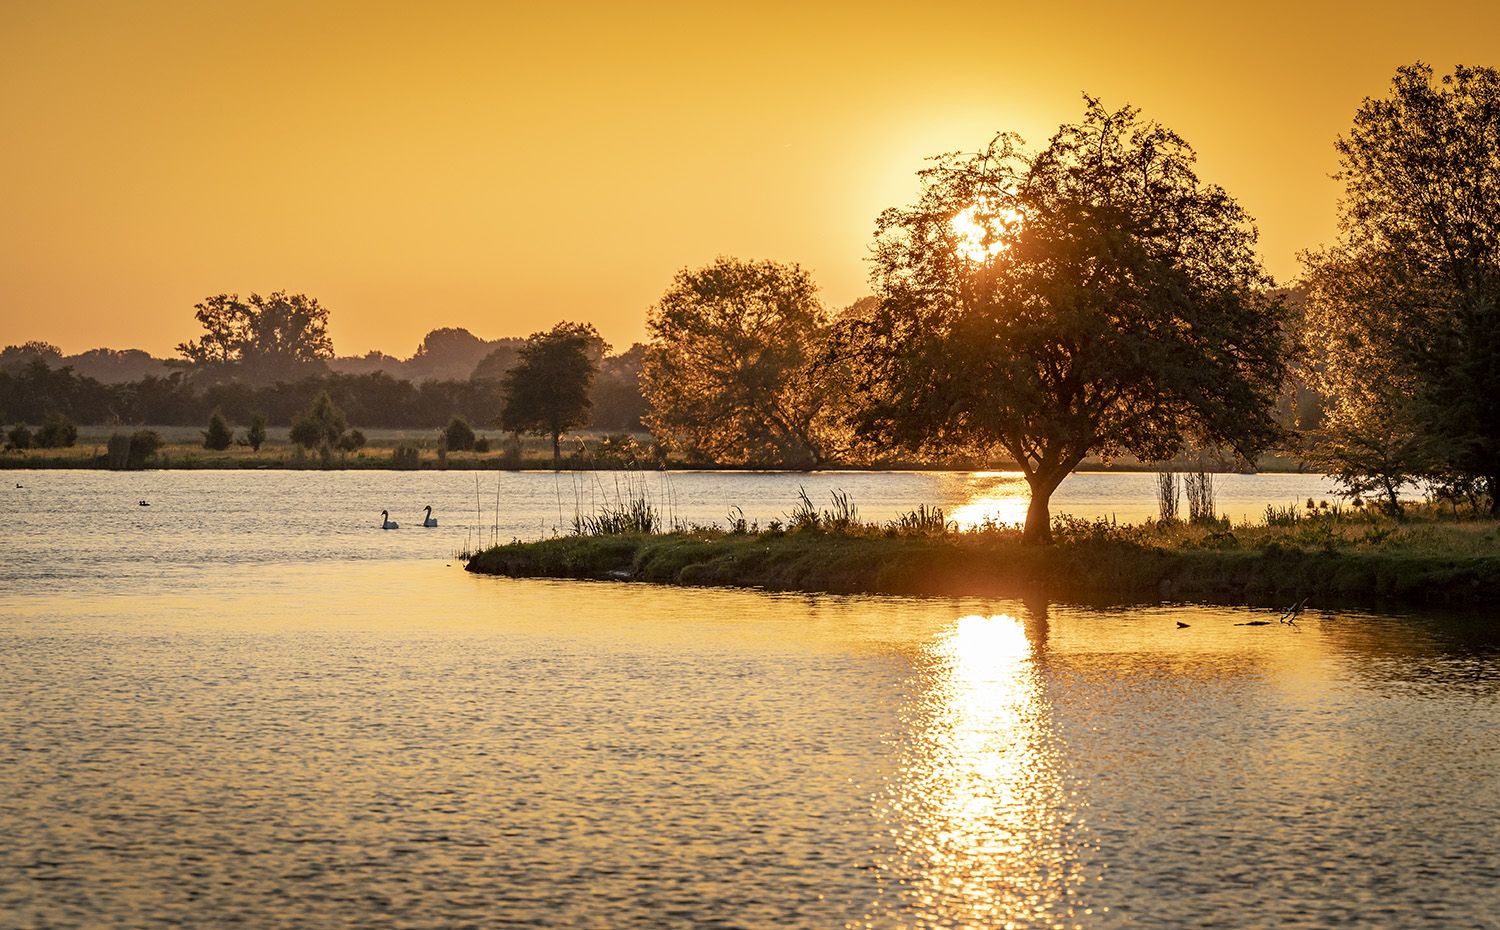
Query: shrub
point(255, 436)
point(19, 437)
point(459, 434)
point(219, 436)
point(321, 422)
point(352, 441)
point(406, 457)
point(57, 433)
point(135, 450)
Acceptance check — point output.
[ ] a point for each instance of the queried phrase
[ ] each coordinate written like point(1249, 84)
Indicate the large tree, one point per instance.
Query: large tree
point(546, 392)
point(1411, 289)
point(1094, 297)
point(261, 339)
point(729, 371)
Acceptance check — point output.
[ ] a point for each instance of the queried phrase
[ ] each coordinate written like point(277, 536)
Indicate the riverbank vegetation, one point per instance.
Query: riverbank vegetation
point(1433, 554)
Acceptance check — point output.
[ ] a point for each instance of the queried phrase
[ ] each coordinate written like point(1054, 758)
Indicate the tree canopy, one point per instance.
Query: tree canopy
point(1406, 303)
point(1094, 297)
point(728, 372)
point(546, 392)
point(260, 339)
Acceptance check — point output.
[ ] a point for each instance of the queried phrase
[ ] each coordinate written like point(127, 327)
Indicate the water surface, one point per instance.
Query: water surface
point(247, 706)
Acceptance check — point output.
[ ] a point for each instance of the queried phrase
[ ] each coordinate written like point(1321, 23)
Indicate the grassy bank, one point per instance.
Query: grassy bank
point(1327, 556)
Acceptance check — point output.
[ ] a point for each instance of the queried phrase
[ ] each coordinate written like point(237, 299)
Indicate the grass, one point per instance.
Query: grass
point(1328, 554)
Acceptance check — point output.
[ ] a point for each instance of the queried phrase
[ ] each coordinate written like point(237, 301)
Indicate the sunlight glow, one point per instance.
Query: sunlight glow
point(983, 822)
point(993, 498)
point(984, 231)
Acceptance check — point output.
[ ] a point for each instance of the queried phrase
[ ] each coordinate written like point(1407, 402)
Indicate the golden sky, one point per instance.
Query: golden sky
point(503, 166)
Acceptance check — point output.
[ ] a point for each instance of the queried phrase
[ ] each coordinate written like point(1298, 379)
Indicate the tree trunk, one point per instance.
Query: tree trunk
point(557, 451)
point(1043, 482)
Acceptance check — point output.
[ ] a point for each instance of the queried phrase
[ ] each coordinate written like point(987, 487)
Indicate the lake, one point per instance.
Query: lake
point(246, 705)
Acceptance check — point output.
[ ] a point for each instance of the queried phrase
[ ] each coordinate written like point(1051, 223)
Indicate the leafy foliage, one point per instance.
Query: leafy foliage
point(729, 372)
point(547, 392)
point(1406, 304)
point(219, 436)
point(261, 338)
point(322, 422)
point(1108, 303)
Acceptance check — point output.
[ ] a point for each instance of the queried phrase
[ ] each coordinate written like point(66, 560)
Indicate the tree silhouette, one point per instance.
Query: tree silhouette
point(546, 392)
point(260, 339)
point(729, 373)
point(1408, 299)
point(1092, 298)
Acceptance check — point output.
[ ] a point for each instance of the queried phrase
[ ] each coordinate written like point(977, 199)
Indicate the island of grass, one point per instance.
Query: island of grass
point(1327, 555)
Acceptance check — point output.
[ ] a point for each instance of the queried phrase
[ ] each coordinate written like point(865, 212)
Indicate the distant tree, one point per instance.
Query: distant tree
point(14, 358)
point(619, 404)
point(19, 437)
point(219, 435)
point(729, 372)
point(498, 360)
point(546, 393)
point(1412, 286)
point(1091, 298)
point(459, 435)
point(322, 422)
point(255, 435)
point(261, 339)
point(134, 450)
point(59, 432)
point(351, 441)
point(447, 353)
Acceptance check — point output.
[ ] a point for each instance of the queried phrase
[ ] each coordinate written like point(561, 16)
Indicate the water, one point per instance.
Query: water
point(245, 705)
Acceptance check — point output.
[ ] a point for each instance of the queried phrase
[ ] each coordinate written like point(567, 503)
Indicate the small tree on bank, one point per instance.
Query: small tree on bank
point(219, 436)
point(546, 392)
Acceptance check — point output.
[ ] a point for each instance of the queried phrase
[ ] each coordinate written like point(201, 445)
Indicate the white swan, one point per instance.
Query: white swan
point(429, 521)
point(386, 523)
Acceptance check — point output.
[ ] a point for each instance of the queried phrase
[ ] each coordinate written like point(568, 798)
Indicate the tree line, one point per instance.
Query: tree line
point(1091, 297)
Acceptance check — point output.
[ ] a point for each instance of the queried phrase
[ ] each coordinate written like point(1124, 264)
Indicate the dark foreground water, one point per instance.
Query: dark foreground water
point(246, 739)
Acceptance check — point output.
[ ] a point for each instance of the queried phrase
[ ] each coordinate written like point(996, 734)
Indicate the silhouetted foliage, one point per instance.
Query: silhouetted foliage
point(19, 437)
point(1407, 303)
point(255, 435)
point(59, 432)
point(219, 435)
point(458, 435)
point(1092, 298)
point(322, 422)
point(729, 372)
point(351, 441)
point(260, 339)
point(546, 393)
point(619, 403)
point(133, 450)
point(406, 457)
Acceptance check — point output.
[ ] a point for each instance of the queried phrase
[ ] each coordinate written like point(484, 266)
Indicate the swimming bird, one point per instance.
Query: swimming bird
point(1181, 625)
point(386, 523)
point(1291, 612)
point(144, 504)
point(429, 521)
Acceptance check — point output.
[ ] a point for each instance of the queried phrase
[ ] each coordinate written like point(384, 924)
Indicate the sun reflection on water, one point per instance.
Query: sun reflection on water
point(992, 497)
point(985, 829)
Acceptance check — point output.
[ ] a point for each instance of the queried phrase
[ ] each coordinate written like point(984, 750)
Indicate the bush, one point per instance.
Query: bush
point(255, 436)
point(459, 434)
point(352, 441)
point(19, 437)
point(219, 436)
point(58, 432)
point(321, 422)
point(135, 450)
point(406, 457)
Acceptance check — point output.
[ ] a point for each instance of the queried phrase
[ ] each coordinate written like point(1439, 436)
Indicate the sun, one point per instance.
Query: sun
point(984, 230)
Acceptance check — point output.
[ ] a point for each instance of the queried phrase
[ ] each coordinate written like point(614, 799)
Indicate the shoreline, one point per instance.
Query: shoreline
point(1098, 570)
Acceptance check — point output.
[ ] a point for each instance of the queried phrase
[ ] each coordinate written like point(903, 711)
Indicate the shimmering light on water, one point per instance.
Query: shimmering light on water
point(982, 818)
point(215, 712)
point(997, 498)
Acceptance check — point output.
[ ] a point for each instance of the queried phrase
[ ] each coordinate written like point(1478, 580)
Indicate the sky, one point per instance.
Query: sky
point(502, 167)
